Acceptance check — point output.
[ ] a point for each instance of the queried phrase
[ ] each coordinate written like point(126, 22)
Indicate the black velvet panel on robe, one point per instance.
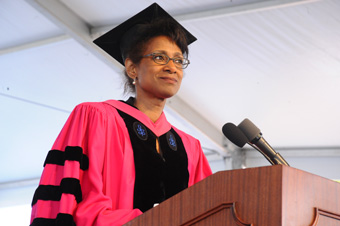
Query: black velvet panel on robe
point(158, 175)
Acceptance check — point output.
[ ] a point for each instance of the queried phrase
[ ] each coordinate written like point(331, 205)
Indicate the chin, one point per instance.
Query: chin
point(167, 95)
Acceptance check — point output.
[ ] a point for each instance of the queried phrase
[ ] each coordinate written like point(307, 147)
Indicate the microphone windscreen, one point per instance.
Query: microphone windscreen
point(234, 134)
point(249, 129)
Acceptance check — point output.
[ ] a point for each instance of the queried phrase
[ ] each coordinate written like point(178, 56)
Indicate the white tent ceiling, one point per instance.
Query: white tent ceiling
point(274, 62)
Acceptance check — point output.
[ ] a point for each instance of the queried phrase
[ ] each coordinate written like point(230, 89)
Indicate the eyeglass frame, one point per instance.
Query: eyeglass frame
point(184, 66)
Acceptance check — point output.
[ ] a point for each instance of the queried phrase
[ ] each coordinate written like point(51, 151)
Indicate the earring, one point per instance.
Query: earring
point(134, 82)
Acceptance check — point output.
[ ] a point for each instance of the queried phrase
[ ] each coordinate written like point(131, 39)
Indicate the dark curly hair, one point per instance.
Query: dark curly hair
point(161, 27)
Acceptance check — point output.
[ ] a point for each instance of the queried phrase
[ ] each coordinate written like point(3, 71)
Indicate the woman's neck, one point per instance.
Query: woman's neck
point(152, 107)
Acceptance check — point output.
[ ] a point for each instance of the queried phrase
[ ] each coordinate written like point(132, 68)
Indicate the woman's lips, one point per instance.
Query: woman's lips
point(169, 79)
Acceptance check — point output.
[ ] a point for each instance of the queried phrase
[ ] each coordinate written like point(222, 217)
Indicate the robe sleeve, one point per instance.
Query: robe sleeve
point(202, 168)
point(71, 190)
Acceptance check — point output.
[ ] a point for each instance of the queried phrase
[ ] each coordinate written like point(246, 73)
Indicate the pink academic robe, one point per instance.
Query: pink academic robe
point(107, 185)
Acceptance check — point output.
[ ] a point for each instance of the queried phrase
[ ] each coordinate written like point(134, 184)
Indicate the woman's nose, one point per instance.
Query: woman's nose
point(171, 67)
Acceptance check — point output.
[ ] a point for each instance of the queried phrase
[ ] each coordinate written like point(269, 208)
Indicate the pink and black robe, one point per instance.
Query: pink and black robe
point(103, 168)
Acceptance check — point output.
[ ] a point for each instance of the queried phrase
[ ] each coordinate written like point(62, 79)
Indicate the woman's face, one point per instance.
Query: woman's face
point(155, 80)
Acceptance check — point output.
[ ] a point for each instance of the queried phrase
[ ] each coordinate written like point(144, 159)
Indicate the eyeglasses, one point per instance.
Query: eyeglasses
point(161, 58)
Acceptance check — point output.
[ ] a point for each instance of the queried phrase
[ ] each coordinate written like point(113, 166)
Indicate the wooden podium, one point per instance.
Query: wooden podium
point(264, 196)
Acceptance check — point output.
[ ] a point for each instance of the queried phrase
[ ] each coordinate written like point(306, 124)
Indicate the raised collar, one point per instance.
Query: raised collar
point(160, 127)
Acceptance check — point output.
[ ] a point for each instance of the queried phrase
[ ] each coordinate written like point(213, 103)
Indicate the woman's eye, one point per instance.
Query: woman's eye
point(179, 61)
point(159, 57)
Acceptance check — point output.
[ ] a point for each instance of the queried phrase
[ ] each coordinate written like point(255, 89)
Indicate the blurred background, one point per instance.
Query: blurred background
point(276, 62)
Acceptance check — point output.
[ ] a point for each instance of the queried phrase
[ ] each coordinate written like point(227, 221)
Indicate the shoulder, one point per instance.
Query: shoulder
point(95, 107)
point(89, 112)
point(186, 137)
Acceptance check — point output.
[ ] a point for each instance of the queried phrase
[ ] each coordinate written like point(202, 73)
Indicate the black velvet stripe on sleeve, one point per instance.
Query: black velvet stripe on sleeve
point(65, 220)
point(62, 220)
point(46, 192)
point(53, 193)
point(71, 186)
point(43, 222)
point(71, 153)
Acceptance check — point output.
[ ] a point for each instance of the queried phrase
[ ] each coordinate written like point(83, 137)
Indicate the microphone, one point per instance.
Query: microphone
point(234, 134)
point(256, 140)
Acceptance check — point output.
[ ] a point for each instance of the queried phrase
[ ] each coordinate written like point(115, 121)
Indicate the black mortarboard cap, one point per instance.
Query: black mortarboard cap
point(115, 41)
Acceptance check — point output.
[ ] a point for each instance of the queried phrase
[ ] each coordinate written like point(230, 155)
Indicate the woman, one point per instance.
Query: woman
point(114, 160)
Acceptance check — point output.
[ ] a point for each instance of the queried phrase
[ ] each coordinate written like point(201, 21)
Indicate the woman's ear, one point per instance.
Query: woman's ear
point(130, 68)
